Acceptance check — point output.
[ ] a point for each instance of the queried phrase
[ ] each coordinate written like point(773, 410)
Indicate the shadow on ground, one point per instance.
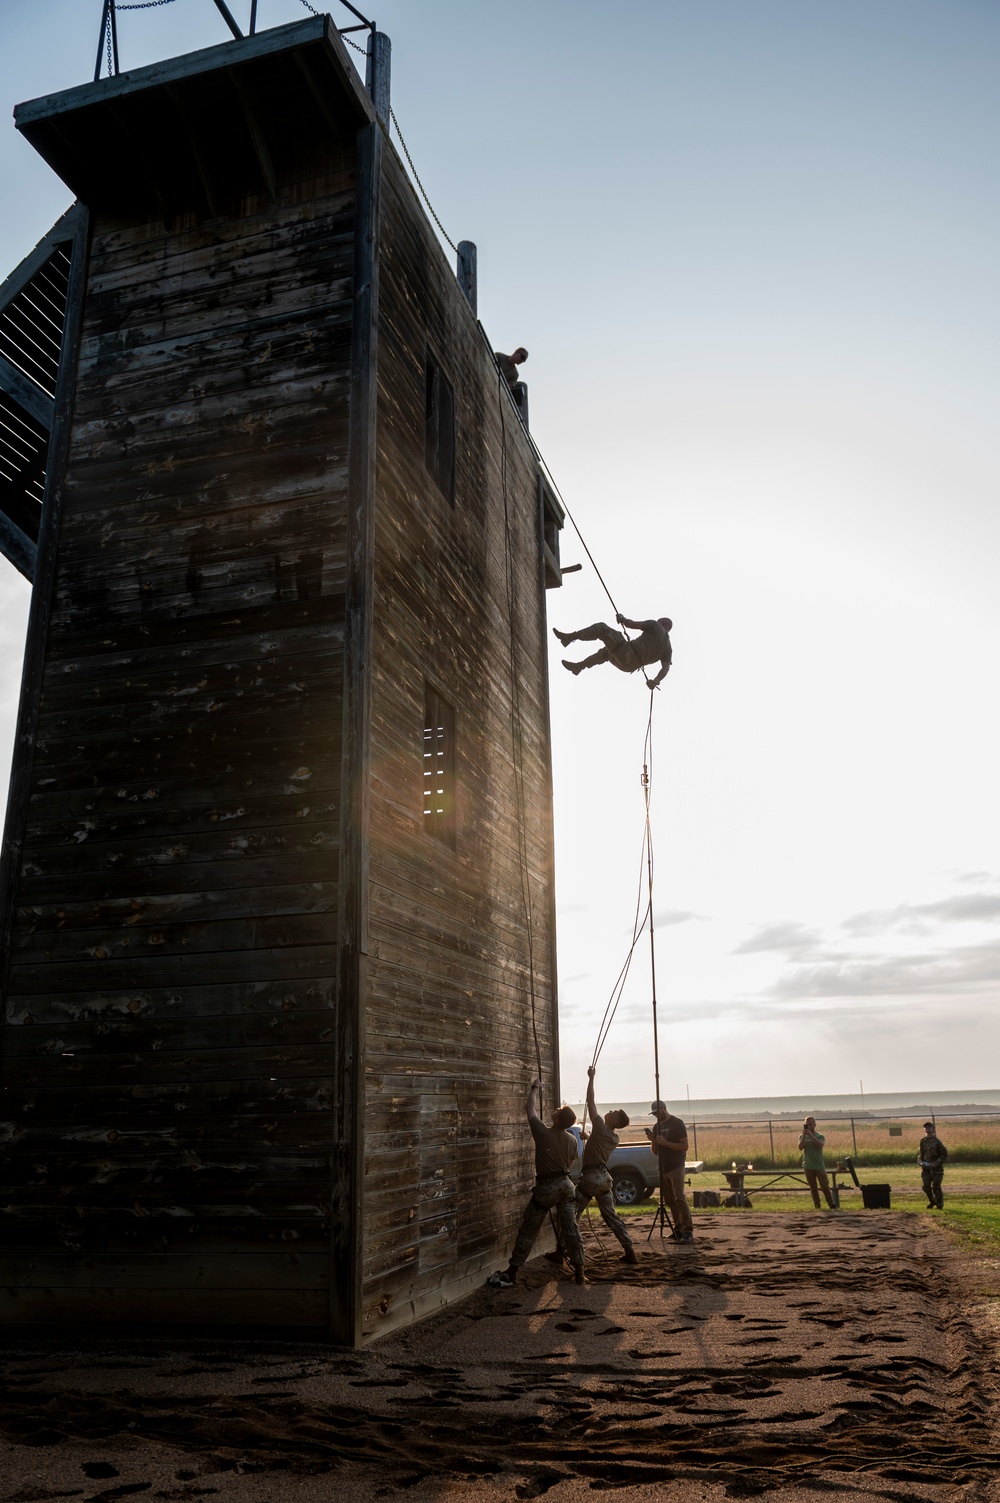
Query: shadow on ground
point(809, 1356)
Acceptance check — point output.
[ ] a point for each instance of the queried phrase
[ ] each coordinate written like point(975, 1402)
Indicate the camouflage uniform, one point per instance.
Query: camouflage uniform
point(596, 1183)
point(551, 1192)
point(653, 645)
point(555, 1154)
point(931, 1155)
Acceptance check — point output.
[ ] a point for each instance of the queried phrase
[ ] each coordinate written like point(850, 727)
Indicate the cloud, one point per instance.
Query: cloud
point(789, 938)
point(886, 975)
point(670, 916)
point(817, 966)
point(916, 918)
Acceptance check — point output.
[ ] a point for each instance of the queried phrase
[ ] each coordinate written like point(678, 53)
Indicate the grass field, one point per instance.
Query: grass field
point(971, 1210)
point(969, 1141)
point(976, 1222)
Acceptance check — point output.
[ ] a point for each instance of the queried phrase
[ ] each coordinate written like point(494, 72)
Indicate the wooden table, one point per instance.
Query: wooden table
point(736, 1179)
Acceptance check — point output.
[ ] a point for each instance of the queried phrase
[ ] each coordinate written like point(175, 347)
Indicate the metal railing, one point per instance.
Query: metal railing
point(107, 44)
point(793, 1126)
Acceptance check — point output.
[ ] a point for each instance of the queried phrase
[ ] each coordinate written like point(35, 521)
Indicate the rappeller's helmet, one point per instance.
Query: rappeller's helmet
point(666, 623)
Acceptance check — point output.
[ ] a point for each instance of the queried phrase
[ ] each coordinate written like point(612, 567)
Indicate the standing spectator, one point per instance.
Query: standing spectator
point(669, 1141)
point(931, 1156)
point(811, 1143)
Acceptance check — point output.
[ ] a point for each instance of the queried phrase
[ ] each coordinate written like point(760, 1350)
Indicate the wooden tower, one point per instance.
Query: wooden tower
point(279, 940)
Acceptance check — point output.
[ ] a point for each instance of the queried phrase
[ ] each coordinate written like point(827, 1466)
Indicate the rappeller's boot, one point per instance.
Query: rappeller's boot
point(565, 637)
point(630, 1256)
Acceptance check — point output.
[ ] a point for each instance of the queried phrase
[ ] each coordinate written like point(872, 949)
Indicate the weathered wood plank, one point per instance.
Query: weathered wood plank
point(77, 1071)
point(276, 1308)
point(166, 970)
point(173, 1231)
point(287, 1270)
point(118, 819)
point(251, 933)
point(17, 547)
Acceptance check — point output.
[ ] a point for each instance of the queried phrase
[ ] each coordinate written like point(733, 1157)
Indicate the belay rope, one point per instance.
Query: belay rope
point(641, 918)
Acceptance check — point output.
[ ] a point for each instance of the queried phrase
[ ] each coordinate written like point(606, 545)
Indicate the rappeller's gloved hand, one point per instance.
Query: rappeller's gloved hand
point(620, 619)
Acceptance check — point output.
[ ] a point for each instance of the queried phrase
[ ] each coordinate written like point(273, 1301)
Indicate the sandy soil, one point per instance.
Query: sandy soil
point(811, 1357)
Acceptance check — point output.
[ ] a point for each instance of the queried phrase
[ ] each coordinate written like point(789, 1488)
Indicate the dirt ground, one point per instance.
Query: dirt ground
point(803, 1356)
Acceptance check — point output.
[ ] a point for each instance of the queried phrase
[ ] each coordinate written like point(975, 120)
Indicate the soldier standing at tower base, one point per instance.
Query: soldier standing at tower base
point(555, 1154)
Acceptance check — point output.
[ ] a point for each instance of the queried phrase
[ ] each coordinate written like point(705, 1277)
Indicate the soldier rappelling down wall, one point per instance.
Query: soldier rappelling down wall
point(653, 646)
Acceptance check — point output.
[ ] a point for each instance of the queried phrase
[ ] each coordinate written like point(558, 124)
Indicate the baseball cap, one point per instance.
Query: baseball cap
point(657, 1106)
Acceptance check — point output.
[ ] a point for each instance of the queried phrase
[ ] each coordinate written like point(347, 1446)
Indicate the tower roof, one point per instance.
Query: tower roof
point(190, 132)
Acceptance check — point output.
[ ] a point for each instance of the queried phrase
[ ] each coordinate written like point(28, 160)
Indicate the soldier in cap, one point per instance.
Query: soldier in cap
point(931, 1155)
point(595, 1181)
point(652, 646)
point(669, 1141)
point(509, 365)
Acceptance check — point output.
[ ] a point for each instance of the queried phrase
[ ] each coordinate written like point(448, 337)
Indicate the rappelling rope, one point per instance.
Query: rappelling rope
point(516, 736)
point(638, 926)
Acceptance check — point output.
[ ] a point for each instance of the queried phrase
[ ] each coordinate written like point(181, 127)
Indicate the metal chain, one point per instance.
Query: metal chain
point(155, 4)
point(416, 176)
point(399, 133)
point(107, 39)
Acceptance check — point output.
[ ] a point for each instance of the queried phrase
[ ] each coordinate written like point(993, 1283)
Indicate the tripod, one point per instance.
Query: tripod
point(661, 1220)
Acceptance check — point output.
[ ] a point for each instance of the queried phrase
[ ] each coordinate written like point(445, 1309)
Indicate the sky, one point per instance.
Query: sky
point(751, 249)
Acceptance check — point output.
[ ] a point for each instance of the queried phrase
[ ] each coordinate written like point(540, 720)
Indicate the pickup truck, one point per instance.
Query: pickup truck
point(635, 1172)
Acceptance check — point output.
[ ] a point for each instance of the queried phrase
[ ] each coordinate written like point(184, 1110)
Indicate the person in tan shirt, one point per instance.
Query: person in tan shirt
point(509, 365)
point(595, 1182)
point(555, 1154)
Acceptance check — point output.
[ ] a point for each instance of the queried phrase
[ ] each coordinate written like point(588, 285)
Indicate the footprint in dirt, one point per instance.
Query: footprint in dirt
point(534, 1487)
